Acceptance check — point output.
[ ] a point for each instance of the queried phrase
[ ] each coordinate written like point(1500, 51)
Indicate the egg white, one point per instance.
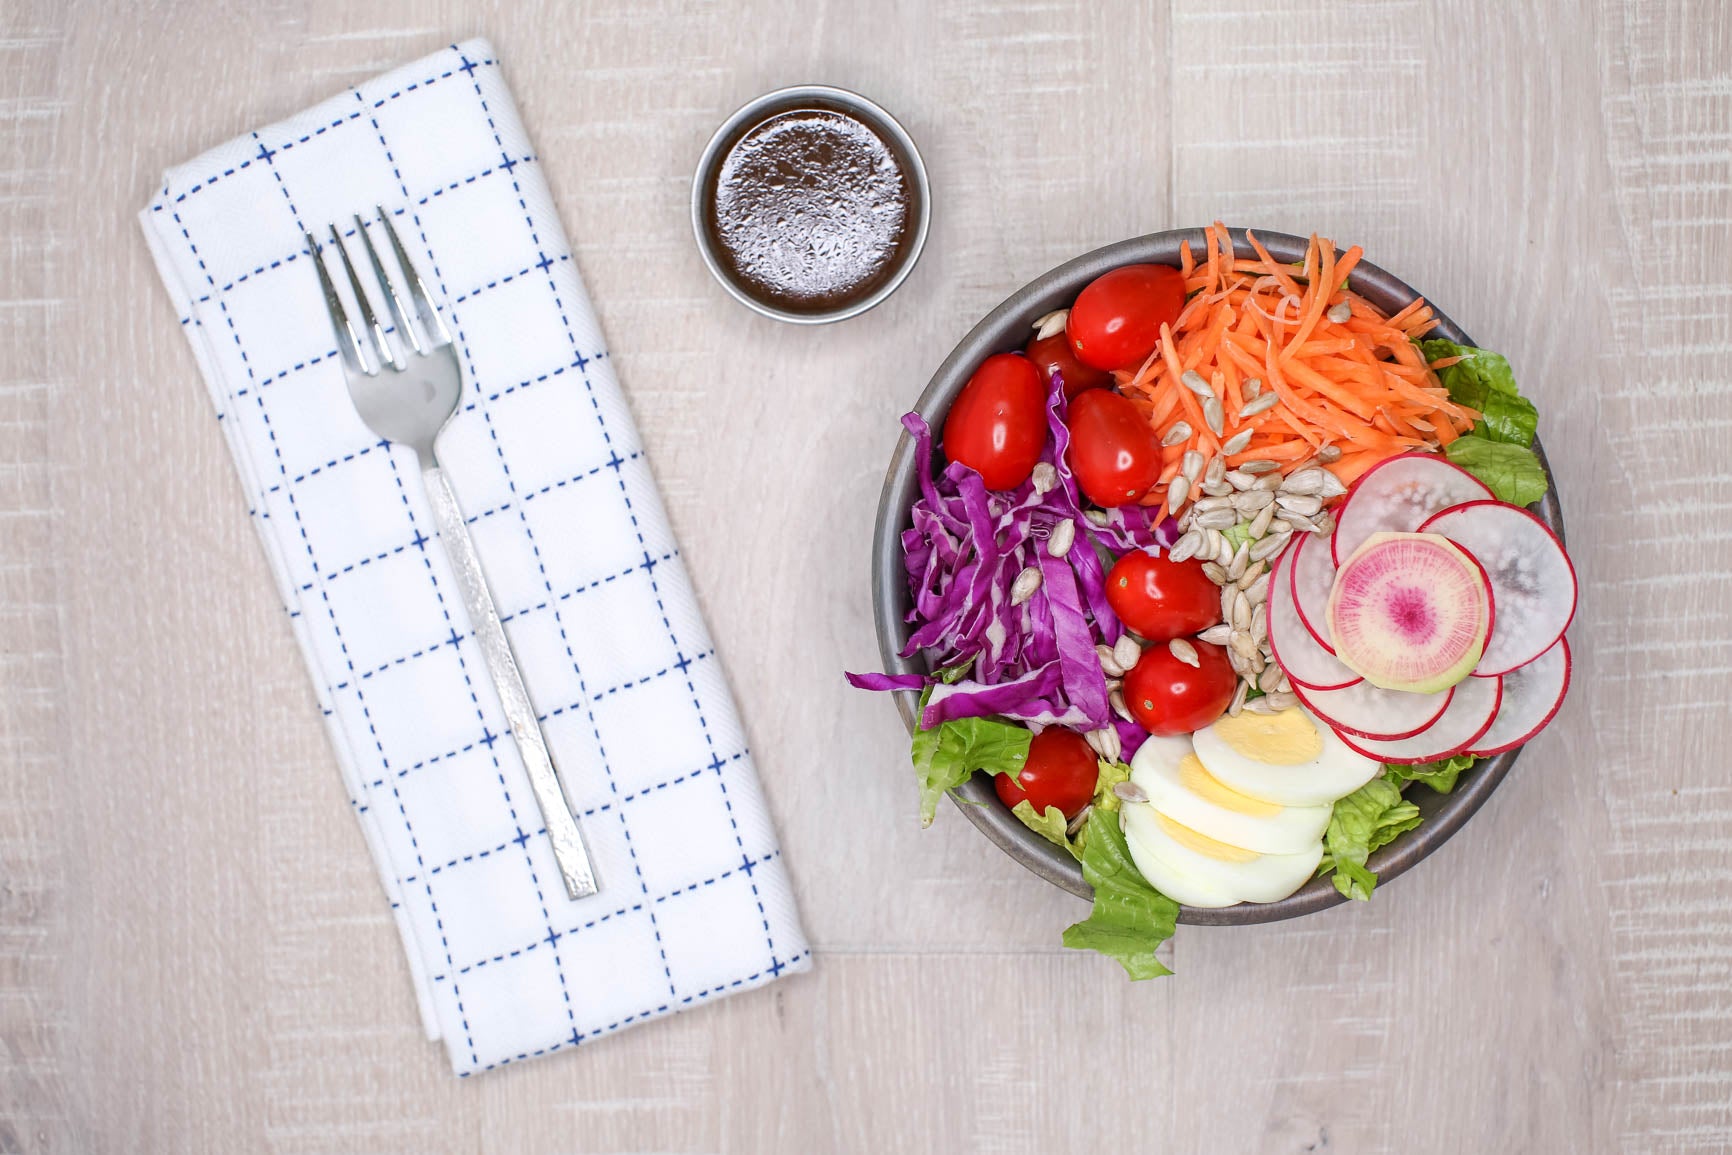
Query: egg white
point(1336, 772)
point(1290, 830)
point(1193, 878)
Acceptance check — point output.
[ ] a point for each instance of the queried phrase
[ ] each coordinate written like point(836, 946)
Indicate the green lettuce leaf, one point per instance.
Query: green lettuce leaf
point(1130, 918)
point(1366, 819)
point(1483, 380)
point(1440, 776)
point(1512, 472)
point(1049, 826)
point(945, 756)
point(1238, 535)
point(1111, 774)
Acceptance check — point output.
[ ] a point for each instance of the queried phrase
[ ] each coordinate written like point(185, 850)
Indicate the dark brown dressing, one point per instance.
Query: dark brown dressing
point(810, 211)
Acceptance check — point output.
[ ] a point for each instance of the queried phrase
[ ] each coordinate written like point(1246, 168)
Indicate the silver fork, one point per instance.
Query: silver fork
point(410, 400)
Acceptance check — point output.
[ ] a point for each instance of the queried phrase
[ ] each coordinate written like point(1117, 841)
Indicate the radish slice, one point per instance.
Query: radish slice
point(1368, 711)
point(1298, 653)
point(1531, 696)
point(1410, 611)
point(1312, 575)
point(1471, 710)
point(1397, 495)
point(1531, 578)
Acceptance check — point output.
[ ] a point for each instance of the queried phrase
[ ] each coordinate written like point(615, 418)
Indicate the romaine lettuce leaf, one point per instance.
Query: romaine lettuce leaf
point(1366, 819)
point(947, 754)
point(1512, 472)
point(1130, 918)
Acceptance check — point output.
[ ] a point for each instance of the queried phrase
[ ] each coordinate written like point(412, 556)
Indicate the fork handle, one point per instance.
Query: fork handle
point(568, 848)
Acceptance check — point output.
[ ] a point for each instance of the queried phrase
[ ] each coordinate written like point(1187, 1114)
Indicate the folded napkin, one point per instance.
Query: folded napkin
point(545, 459)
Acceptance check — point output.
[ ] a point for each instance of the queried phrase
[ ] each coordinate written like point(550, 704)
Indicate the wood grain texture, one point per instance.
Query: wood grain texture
point(194, 954)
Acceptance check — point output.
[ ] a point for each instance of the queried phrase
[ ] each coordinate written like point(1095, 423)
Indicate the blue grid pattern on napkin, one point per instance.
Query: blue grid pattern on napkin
point(547, 464)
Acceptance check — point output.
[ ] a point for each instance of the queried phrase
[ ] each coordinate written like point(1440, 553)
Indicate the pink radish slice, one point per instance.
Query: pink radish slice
point(1397, 495)
point(1368, 711)
point(1531, 696)
point(1312, 575)
point(1469, 715)
point(1531, 578)
point(1296, 651)
point(1410, 611)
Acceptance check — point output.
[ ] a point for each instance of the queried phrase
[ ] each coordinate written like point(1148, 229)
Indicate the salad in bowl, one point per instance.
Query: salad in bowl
point(1219, 575)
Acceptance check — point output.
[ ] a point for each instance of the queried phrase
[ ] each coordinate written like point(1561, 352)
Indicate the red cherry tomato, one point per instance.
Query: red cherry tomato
point(1061, 771)
point(1171, 697)
point(1054, 355)
point(1113, 451)
point(1117, 319)
point(997, 424)
point(1162, 599)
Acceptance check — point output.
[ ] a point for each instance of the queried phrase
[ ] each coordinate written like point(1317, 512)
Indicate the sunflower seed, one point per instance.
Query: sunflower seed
point(1224, 555)
point(1237, 442)
point(1212, 547)
point(1251, 574)
point(1186, 547)
point(1193, 380)
point(1117, 699)
point(1294, 518)
point(1260, 523)
point(1239, 479)
point(1250, 388)
point(1130, 792)
point(1228, 593)
point(1323, 522)
point(1114, 684)
point(1191, 465)
point(1024, 586)
point(1237, 660)
point(1258, 591)
point(1177, 490)
point(1261, 465)
point(1185, 652)
point(1270, 481)
point(1300, 503)
point(1260, 623)
point(1081, 819)
point(1216, 572)
point(1259, 405)
point(1213, 416)
point(1217, 488)
point(1093, 738)
point(1109, 665)
point(1178, 434)
point(1241, 617)
point(1252, 500)
point(1126, 652)
point(1260, 705)
point(1340, 313)
point(1259, 661)
point(1218, 519)
point(1241, 559)
point(1107, 743)
point(1270, 679)
point(1329, 454)
point(1284, 685)
point(1063, 537)
point(1267, 548)
point(1216, 471)
point(1282, 700)
point(1331, 486)
point(1242, 644)
point(1304, 481)
point(1045, 477)
point(1238, 702)
point(1217, 634)
point(1281, 526)
point(1051, 324)
point(1205, 504)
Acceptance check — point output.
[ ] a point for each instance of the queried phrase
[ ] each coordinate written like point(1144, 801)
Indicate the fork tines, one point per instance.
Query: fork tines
point(369, 348)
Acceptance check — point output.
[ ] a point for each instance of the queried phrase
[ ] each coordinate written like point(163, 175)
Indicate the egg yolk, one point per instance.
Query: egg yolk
point(1285, 739)
point(1205, 785)
point(1202, 843)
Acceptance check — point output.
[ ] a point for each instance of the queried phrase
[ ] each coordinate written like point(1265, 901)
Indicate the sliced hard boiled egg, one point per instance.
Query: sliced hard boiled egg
point(1289, 758)
point(1178, 786)
point(1196, 870)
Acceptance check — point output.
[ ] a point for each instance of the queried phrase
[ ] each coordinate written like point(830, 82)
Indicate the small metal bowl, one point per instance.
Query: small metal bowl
point(1008, 327)
point(822, 98)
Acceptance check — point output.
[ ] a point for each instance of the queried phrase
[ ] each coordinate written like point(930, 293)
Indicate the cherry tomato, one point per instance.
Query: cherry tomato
point(1054, 355)
point(1117, 319)
point(997, 424)
point(1171, 697)
point(1061, 771)
point(1113, 451)
point(1162, 599)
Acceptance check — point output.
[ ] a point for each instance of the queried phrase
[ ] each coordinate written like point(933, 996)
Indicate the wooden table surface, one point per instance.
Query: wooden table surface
point(194, 952)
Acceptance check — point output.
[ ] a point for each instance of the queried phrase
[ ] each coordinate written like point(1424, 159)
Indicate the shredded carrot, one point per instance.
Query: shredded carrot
point(1253, 325)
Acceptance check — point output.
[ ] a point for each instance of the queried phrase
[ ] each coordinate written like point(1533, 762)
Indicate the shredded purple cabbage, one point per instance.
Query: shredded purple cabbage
point(1034, 662)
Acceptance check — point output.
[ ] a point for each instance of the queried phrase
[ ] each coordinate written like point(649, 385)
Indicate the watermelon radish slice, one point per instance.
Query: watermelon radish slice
point(1471, 710)
point(1410, 611)
point(1312, 575)
point(1397, 495)
point(1305, 661)
point(1531, 696)
point(1532, 579)
point(1368, 711)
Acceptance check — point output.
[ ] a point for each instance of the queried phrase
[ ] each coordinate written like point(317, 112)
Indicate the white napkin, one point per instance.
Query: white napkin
point(694, 900)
